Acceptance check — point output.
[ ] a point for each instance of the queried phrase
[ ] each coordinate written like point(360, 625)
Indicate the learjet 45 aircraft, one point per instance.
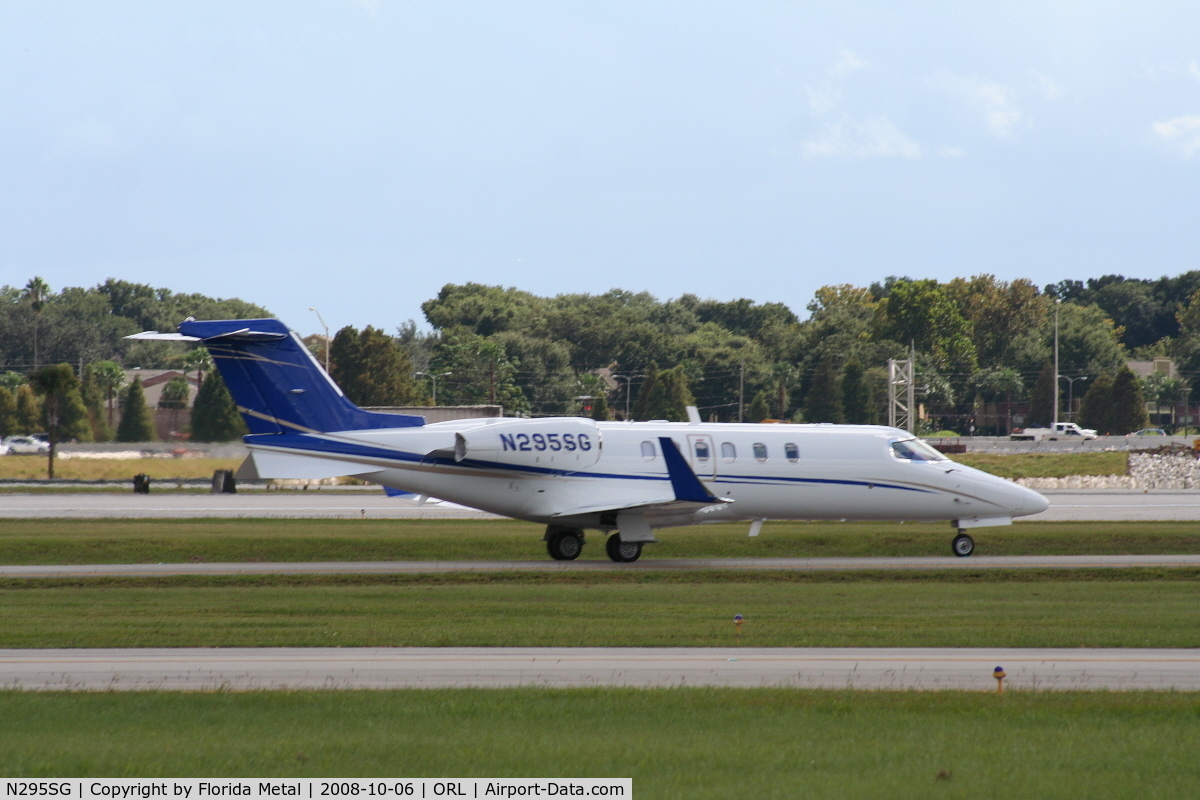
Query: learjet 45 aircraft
point(623, 479)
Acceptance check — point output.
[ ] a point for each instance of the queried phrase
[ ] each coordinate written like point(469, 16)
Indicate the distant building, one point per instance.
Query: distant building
point(169, 424)
point(1160, 364)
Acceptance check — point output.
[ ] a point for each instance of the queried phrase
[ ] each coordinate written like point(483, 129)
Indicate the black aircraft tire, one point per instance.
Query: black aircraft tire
point(963, 545)
point(565, 546)
point(622, 552)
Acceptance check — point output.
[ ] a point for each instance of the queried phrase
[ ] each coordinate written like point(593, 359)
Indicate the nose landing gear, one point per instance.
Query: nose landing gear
point(963, 545)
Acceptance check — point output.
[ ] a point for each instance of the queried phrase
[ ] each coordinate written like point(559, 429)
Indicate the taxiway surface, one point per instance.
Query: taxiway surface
point(975, 563)
point(208, 669)
point(1083, 505)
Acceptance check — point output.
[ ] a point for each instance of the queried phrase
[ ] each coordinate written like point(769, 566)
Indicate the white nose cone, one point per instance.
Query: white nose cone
point(1026, 501)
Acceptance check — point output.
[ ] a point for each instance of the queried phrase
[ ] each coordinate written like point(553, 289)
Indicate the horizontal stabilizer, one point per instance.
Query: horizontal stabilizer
point(275, 381)
point(290, 466)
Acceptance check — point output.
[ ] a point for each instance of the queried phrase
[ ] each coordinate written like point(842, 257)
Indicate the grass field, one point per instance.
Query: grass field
point(1130, 608)
point(1047, 465)
point(1135, 608)
point(103, 541)
point(675, 743)
point(94, 469)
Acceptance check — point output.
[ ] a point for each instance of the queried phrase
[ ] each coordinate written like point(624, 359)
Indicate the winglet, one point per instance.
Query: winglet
point(685, 483)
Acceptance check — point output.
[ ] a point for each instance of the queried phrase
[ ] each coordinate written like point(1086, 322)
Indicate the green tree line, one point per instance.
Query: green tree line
point(976, 340)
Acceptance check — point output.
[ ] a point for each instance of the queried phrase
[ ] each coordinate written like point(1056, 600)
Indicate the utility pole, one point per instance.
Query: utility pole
point(1054, 419)
point(492, 382)
point(328, 343)
point(628, 380)
point(741, 389)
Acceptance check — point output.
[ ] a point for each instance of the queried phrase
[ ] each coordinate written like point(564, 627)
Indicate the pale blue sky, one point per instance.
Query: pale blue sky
point(358, 156)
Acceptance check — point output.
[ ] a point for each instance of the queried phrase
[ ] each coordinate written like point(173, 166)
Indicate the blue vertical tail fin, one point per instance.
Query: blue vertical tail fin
point(277, 384)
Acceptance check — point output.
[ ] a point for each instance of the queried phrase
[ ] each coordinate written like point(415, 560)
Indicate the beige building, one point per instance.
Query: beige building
point(1160, 364)
point(169, 424)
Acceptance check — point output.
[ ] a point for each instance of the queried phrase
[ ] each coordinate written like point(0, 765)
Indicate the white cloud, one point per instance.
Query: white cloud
point(999, 108)
point(369, 6)
point(1050, 89)
point(946, 151)
point(1194, 70)
point(876, 137)
point(820, 101)
point(851, 136)
point(1181, 131)
point(1000, 111)
point(828, 94)
point(848, 63)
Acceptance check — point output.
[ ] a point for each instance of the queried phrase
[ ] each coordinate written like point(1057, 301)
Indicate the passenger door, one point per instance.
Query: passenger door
point(702, 456)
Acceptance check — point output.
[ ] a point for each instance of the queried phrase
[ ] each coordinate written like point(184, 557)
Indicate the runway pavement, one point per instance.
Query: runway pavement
point(208, 669)
point(974, 563)
point(270, 505)
point(1111, 505)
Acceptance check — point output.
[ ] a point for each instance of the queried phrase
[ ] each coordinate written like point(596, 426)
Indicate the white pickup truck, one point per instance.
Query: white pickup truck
point(1063, 430)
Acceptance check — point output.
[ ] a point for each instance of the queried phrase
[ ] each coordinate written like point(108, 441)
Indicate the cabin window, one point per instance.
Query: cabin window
point(728, 452)
point(760, 451)
point(648, 451)
point(915, 450)
point(703, 454)
point(792, 452)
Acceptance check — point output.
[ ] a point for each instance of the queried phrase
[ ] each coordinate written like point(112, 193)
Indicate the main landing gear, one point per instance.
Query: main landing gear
point(564, 544)
point(963, 545)
point(622, 552)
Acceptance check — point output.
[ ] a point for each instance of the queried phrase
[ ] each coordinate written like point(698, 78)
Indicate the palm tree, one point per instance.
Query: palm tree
point(53, 383)
point(36, 292)
point(783, 377)
point(198, 359)
point(109, 376)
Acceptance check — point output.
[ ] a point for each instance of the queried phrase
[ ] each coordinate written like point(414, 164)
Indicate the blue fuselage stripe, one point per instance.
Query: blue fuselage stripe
point(314, 444)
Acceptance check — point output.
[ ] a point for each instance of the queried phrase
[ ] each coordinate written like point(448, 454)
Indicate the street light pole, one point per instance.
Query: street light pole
point(433, 376)
point(328, 343)
point(1071, 392)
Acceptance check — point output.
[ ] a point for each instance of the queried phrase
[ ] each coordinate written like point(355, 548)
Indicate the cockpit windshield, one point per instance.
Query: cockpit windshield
point(915, 450)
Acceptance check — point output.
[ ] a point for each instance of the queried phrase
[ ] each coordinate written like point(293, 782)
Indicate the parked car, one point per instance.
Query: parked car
point(1149, 432)
point(26, 446)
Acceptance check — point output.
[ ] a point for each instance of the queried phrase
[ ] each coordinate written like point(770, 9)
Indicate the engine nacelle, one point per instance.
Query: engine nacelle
point(551, 443)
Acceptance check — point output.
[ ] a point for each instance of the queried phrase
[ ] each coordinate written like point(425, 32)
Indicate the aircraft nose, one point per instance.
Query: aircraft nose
point(1027, 501)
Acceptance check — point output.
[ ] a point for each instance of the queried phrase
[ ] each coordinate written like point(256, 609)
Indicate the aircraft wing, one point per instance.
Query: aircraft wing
point(667, 505)
point(690, 494)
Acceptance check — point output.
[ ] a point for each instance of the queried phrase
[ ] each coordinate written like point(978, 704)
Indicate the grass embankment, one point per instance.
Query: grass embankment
point(1135, 608)
point(109, 541)
point(96, 469)
point(674, 743)
point(1047, 465)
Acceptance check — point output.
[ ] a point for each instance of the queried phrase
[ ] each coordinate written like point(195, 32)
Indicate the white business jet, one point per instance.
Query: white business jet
point(624, 479)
